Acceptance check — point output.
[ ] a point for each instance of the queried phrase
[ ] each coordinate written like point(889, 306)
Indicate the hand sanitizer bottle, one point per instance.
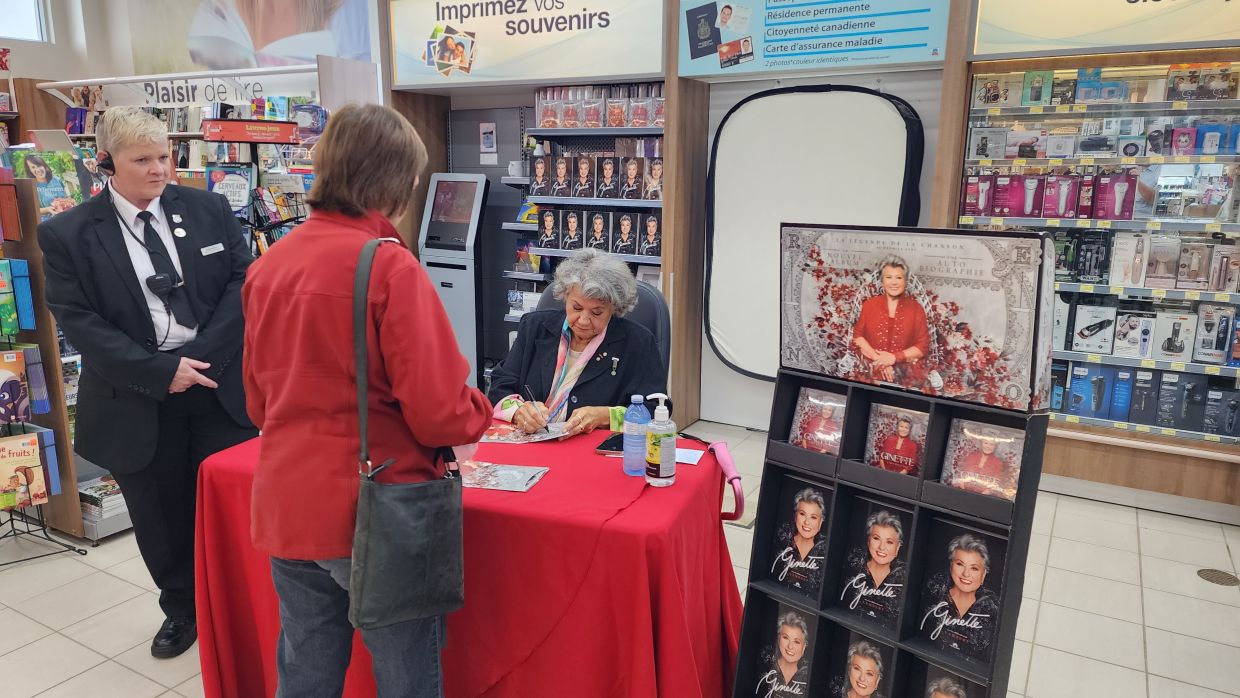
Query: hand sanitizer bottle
point(660, 446)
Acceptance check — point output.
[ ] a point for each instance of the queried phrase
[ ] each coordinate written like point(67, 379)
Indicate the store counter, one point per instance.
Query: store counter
point(590, 584)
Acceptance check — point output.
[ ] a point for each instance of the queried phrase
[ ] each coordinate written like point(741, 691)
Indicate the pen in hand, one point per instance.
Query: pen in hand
point(529, 395)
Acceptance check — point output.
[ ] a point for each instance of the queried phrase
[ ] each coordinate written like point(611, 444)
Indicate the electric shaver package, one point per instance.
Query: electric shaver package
point(977, 195)
point(1094, 329)
point(1193, 271)
point(1091, 390)
point(1114, 196)
point(1134, 334)
point(1164, 261)
point(1214, 330)
point(1222, 413)
point(1145, 390)
point(1129, 255)
point(1093, 257)
point(1173, 336)
point(1060, 195)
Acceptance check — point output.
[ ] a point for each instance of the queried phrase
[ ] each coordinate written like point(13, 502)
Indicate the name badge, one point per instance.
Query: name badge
point(212, 249)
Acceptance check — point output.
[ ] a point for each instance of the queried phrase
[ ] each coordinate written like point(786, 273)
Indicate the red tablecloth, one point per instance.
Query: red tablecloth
point(590, 584)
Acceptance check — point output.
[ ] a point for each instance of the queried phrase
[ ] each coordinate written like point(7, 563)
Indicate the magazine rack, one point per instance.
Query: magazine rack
point(931, 515)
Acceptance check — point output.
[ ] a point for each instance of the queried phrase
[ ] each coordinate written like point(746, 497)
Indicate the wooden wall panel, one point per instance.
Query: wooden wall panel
point(36, 109)
point(429, 115)
point(953, 112)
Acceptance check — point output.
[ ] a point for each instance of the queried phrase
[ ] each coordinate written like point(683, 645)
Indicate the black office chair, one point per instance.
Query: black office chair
point(650, 312)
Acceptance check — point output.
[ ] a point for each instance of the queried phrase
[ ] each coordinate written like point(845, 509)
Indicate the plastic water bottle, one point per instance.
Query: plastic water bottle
point(660, 446)
point(635, 420)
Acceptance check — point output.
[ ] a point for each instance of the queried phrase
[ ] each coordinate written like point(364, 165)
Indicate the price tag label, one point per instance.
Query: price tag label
point(1182, 159)
point(1117, 290)
point(985, 163)
point(1208, 158)
point(994, 111)
point(1121, 425)
point(1157, 159)
point(1222, 297)
point(1083, 223)
point(996, 221)
point(1178, 366)
point(1179, 104)
point(1213, 371)
point(1035, 110)
point(1053, 222)
point(1056, 161)
point(1087, 288)
point(1214, 227)
point(1087, 161)
point(1104, 224)
point(1020, 162)
point(1056, 285)
point(966, 220)
point(1154, 225)
point(1128, 161)
point(1144, 428)
point(1213, 437)
point(1093, 358)
point(1159, 293)
point(1080, 107)
point(1062, 109)
point(1193, 295)
point(1149, 363)
point(1073, 419)
point(1167, 432)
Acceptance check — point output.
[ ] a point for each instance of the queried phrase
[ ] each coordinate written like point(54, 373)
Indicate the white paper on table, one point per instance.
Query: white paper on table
point(688, 456)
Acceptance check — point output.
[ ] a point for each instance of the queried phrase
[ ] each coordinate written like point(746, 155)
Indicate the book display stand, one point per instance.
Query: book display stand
point(896, 507)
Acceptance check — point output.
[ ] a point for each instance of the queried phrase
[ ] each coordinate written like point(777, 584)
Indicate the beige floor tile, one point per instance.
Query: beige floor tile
point(1027, 620)
point(21, 548)
point(192, 688)
point(1019, 673)
point(1044, 513)
point(134, 571)
point(1180, 524)
point(1201, 619)
point(1091, 635)
point(1166, 688)
point(1034, 575)
point(1181, 578)
point(740, 544)
point(1097, 531)
point(749, 457)
point(1056, 674)
point(29, 579)
point(78, 600)
point(714, 431)
point(1039, 547)
point(1193, 661)
point(1108, 563)
point(1186, 549)
point(44, 663)
point(17, 631)
point(1083, 592)
point(1097, 510)
point(112, 550)
point(118, 628)
point(108, 680)
point(166, 672)
point(742, 579)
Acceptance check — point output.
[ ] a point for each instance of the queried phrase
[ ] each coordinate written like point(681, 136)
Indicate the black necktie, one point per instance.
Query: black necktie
point(162, 261)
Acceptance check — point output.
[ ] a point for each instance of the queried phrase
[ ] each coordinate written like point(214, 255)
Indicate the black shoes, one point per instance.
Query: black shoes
point(174, 637)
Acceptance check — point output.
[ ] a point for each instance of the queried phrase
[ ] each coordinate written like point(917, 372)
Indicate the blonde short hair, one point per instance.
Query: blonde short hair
point(122, 127)
point(366, 160)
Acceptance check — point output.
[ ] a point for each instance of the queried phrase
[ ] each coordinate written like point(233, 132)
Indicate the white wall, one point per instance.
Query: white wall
point(88, 38)
point(727, 396)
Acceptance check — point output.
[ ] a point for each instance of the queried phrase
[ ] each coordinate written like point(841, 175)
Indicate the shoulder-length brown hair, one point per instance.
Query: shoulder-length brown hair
point(366, 160)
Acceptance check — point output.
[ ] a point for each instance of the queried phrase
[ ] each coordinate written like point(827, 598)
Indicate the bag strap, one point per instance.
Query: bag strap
point(361, 288)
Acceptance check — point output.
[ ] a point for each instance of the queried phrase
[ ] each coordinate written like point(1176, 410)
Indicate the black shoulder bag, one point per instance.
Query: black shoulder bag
point(408, 554)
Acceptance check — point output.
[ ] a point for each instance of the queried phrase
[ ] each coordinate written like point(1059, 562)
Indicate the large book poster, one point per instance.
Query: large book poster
point(943, 314)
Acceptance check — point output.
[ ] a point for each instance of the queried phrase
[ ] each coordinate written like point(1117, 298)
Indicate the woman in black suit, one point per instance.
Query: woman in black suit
point(584, 362)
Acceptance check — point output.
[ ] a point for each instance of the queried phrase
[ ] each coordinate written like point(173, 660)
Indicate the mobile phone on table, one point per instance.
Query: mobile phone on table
point(611, 445)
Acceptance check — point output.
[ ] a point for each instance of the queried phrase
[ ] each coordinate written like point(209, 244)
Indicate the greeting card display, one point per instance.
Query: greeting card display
point(983, 458)
point(896, 440)
point(784, 662)
point(860, 667)
point(799, 545)
point(960, 609)
point(876, 567)
point(947, 315)
point(818, 422)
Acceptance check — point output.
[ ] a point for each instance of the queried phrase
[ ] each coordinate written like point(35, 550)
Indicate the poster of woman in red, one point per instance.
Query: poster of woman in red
point(896, 439)
point(892, 330)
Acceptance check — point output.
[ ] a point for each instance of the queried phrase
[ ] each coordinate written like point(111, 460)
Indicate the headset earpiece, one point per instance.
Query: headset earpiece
point(106, 164)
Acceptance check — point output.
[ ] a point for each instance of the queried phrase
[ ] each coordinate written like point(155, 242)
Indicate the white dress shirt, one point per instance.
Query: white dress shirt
point(127, 215)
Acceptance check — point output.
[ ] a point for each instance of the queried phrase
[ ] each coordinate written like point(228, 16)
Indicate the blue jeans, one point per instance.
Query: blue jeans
point(316, 638)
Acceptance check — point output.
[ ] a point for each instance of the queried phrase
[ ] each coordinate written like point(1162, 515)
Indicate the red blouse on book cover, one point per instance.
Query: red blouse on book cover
point(899, 455)
point(908, 329)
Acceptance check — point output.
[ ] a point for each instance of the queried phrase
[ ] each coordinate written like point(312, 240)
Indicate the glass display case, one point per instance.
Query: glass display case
point(1135, 170)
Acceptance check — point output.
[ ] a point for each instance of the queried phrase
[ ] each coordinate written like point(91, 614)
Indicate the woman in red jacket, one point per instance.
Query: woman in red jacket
point(300, 391)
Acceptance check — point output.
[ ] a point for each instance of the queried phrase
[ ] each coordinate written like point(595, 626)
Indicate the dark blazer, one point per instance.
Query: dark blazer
point(94, 293)
point(532, 362)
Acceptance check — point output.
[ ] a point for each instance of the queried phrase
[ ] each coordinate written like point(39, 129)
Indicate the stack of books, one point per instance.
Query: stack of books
point(103, 508)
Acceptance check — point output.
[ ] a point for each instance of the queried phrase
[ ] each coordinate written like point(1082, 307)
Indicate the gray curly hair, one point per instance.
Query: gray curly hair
point(885, 518)
point(969, 544)
point(599, 276)
point(945, 686)
point(792, 620)
point(812, 496)
point(861, 648)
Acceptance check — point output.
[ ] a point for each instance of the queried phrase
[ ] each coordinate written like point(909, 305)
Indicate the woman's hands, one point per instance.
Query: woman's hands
point(586, 420)
point(530, 417)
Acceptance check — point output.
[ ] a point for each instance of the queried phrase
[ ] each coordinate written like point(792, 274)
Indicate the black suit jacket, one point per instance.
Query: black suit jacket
point(629, 348)
point(96, 297)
